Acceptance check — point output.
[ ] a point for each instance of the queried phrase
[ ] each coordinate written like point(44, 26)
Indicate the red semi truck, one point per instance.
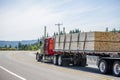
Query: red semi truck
point(75, 48)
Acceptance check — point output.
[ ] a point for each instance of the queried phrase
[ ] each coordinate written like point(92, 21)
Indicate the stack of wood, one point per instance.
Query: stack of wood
point(107, 41)
point(89, 41)
point(100, 41)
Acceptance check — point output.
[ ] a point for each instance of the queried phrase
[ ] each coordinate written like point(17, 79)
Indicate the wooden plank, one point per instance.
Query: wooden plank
point(75, 37)
point(89, 46)
point(61, 45)
point(107, 46)
point(107, 36)
point(82, 37)
point(68, 37)
point(107, 41)
point(90, 36)
point(101, 41)
point(57, 39)
point(80, 46)
point(56, 45)
point(62, 37)
point(73, 46)
point(67, 45)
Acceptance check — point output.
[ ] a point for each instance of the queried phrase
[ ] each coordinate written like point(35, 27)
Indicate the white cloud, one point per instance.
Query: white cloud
point(27, 22)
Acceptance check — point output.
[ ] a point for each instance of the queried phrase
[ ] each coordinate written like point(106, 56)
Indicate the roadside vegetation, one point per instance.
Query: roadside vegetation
point(32, 47)
point(1, 48)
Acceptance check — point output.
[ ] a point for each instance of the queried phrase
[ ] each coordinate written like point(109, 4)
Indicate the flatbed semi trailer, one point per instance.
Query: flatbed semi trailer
point(73, 49)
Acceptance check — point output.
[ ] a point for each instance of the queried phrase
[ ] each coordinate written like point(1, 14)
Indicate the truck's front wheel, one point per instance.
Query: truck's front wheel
point(103, 66)
point(116, 68)
point(38, 57)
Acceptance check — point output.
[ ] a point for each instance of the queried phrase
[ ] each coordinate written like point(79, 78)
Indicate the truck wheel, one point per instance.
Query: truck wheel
point(116, 68)
point(43, 59)
point(103, 66)
point(83, 62)
point(55, 59)
point(38, 57)
point(60, 61)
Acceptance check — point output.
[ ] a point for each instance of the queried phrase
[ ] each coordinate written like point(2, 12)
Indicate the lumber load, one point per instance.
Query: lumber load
point(100, 41)
point(107, 41)
point(89, 41)
point(107, 36)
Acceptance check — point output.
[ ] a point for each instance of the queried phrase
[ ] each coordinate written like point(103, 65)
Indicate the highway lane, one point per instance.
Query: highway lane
point(21, 65)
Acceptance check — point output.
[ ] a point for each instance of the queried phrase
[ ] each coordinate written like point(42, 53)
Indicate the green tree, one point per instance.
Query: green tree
point(119, 31)
point(16, 47)
point(74, 31)
point(114, 30)
point(19, 46)
point(38, 40)
point(40, 43)
point(70, 32)
point(10, 46)
point(5, 46)
point(61, 32)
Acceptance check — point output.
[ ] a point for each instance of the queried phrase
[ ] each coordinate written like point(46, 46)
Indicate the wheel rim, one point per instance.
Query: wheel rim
point(59, 60)
point(116, 68)
point(102, 67)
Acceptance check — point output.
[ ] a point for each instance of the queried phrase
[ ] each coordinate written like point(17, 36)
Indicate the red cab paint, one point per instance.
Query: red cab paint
point(49, 46)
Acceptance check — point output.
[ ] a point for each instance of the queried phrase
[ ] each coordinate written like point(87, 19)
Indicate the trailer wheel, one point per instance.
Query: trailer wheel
point(103, 66)
point(55, 59)
point(60, 61)
point(83, 63)
point(116, 68)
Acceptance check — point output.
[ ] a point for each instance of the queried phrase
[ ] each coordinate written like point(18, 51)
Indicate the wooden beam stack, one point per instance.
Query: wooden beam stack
point(89, 41)
point(100, 41)
point(107, 41)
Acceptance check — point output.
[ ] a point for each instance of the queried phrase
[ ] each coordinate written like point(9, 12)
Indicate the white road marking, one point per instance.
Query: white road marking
point(12, 73)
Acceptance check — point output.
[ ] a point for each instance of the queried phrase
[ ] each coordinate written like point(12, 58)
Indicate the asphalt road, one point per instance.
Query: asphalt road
point(21, 65)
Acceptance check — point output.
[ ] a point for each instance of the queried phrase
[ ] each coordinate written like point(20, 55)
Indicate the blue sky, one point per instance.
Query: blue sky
point(25, 19)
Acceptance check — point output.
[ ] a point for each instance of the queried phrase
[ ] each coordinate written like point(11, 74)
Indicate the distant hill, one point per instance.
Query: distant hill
point(15, 43)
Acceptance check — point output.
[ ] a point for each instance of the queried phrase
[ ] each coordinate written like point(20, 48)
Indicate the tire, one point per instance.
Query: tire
point(43, 59)
point(80, 62)
point(60, 61)
point(103, 67)
point(38, 57)
point(116, 68)
point(55, 59)
point(83, 62)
